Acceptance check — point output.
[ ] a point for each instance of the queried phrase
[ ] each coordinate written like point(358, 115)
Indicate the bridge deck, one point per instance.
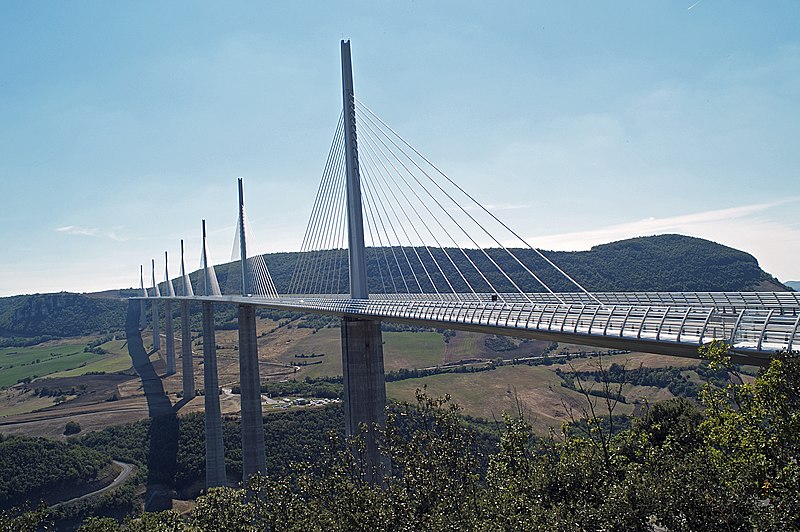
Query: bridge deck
point(756, 325)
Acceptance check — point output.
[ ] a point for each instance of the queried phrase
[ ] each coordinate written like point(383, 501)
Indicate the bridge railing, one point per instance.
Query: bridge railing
point(786, 303)
point(748, 330)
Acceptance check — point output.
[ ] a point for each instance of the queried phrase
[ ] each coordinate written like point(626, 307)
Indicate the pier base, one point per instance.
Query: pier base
point(365, 389)
point(253, 457)
point(215, 450)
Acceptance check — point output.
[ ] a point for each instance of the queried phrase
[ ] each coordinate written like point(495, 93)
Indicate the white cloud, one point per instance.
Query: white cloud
point(497, 207)
point(92, 231)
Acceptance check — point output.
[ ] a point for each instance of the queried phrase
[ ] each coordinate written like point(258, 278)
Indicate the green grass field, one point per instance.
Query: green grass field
point(117, 359)
point(412, 350)
point(488, 394)
point(324, 341)
point(60, 361)
point(22, 362)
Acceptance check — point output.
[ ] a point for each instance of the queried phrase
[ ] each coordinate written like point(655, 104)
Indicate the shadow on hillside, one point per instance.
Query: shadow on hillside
point(158, 404)
point(163, 433)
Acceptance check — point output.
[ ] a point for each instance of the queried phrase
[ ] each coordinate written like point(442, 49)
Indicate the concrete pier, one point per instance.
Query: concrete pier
point(186, 353)
point(253, 457)
point(143, 305)
point(365, 389)
point(142, 315)
point(215, 450)
point(170, 331)
point(156, 326)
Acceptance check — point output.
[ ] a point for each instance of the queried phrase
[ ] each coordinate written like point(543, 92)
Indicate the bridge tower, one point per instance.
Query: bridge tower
point(169, 328)
point(215, 449)
point(187, 367)
point(362, 342)
point(252, 419)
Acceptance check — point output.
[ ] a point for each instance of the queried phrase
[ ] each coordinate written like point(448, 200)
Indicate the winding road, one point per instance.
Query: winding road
point(127, 469)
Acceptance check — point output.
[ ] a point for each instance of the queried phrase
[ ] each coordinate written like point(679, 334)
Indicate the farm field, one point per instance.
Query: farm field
point(488, 394)
point(537, 390)
point(116, 360)
point(26, 362)
point(400, 350)
point(285, 351)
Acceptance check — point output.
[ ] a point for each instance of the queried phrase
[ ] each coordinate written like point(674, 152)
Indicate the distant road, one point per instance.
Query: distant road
point(127, 469)
point(69, 413)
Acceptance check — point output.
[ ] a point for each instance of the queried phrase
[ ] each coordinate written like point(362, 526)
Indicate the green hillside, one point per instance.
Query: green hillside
point(666, 263)
point(31, 468)
point(30, 319)
point(655, 263)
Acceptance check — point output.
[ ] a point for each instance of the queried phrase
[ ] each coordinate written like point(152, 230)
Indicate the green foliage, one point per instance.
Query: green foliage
point(755, 430)
point(59, 315)
point(662, 263)
point(677, 419)
point(72, 427)
point(325, 390)
point(290, 437)
point(437, 466)
point(414, 373)
point(20, 520)
point(99, 524)
point(126, 443)
point(32, 468)
point(500, 343)
point(732, 466)
point(102, 511)
point(671, 378)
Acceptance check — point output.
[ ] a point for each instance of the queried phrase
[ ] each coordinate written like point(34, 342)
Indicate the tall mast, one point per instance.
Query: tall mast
point(206, 281)
point(242, 244)
point(355, 222)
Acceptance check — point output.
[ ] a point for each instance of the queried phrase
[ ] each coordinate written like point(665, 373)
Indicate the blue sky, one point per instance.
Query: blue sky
point(122, 124)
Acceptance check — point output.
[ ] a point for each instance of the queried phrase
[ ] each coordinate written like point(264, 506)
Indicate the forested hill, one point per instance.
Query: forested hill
point(31, 319)
point(650, 264)
point(666, 263)
point(657, 263)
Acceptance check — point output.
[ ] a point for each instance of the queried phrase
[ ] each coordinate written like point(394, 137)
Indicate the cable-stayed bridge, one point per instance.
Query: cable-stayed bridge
point(392, 238)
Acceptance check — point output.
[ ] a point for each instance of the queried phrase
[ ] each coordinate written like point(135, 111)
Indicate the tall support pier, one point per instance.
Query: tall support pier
point(154, 309)
point(362, 342)
point(168, 326)
point(215, 450)
point(142, 305)
point(253, 455)
point(187, 367)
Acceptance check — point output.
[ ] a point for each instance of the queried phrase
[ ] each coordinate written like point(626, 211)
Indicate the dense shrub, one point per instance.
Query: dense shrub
point(31, 468)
